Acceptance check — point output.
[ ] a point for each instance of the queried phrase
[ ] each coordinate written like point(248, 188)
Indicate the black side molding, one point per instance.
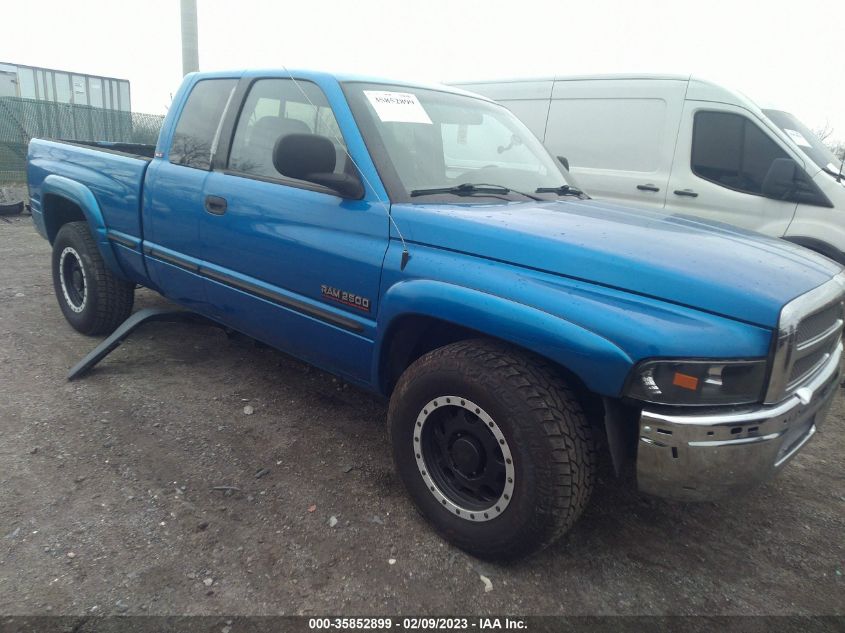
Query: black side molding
point(258, 291)
point(288, 302)
point(172, 259)
point(123, 241)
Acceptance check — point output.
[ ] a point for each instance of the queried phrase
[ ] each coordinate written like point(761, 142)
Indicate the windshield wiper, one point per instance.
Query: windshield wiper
point(563, 190)
point(469, 189)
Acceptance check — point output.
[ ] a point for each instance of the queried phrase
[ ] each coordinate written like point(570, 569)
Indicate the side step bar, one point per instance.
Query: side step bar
point(126, 328)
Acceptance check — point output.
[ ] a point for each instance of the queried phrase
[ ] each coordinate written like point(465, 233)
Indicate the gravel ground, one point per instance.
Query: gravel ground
point(109, 504)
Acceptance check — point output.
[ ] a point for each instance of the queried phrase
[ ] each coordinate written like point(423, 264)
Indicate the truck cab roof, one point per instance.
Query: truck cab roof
point(321, 76)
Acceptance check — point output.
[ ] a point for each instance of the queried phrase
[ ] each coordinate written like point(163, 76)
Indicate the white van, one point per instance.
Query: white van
point(689, 146)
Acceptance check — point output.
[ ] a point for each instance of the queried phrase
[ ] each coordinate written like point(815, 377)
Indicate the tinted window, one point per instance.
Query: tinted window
point(275, 108)
point(732, 151)
point(199, 123)
point(805, 138)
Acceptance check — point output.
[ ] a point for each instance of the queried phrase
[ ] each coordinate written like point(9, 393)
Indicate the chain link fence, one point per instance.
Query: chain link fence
point(24, 119)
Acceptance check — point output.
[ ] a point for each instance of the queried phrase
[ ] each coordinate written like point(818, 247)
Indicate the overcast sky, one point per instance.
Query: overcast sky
point(786, 55)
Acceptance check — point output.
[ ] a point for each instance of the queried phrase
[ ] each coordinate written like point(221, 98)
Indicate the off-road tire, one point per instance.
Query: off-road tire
point(106, 301)
point(547, 433)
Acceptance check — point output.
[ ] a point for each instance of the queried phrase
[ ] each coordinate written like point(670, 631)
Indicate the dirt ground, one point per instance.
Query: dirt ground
point(108, 502)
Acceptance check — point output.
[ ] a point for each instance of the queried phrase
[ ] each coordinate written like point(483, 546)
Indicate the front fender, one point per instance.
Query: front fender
point(598, 362)
point(83, 198)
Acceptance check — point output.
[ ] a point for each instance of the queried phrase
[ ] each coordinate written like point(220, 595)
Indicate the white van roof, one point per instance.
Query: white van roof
point(576, 77)
point(698, 89)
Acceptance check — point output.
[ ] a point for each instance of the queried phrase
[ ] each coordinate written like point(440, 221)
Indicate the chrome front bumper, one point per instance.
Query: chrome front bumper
point(698, 457)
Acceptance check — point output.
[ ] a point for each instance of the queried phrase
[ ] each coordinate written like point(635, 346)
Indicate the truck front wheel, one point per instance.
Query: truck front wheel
point(493, 448)
point(93, 300)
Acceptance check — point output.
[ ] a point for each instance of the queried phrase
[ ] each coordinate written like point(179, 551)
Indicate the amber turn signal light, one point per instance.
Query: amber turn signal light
point(685, 381)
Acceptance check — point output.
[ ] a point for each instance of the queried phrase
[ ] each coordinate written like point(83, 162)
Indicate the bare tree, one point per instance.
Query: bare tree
point(838, 149)
point(824, 133)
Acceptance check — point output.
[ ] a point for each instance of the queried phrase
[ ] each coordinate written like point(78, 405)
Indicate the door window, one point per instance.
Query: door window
point(732, 151)
point(196, 133)
point(275, 108)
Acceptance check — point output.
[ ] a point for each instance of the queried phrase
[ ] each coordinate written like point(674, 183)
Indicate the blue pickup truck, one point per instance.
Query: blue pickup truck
point(419, 242)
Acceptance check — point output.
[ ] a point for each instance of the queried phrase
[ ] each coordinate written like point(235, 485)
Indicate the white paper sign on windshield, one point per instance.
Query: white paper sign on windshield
point(797, 137)
point(398, 107)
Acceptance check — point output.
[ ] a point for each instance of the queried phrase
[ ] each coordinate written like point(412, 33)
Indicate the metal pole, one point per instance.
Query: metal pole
point(190, 45)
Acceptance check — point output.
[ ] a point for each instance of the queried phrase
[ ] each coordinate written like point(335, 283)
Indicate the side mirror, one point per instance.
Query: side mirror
point(786, 180)
point(312, 158)
point(348, 186)
point(564, 161)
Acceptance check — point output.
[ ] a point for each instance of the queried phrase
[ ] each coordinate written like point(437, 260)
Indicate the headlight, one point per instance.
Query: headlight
point(695, 382)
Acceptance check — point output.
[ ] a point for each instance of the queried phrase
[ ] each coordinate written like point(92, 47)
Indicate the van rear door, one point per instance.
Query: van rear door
point(617, 134)
point(723, 155)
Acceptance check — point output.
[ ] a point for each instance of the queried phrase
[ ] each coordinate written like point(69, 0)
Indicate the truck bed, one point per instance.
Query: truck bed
point(135, 150)
point(112, 172)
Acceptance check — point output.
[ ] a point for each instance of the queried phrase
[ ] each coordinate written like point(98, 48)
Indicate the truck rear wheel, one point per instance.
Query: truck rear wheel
point(493, 448)
point(93, 300)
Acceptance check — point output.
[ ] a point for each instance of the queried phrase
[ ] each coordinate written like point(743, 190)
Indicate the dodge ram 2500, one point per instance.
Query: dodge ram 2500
point(420, 242)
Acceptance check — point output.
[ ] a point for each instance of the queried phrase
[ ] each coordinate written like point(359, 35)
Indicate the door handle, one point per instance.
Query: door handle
point(215, 205)
point(648, 187)
point(689, 193)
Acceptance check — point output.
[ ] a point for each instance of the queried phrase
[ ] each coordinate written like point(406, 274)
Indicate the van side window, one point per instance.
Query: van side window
point(275, 108)
point(199, 123)
point(732, 151)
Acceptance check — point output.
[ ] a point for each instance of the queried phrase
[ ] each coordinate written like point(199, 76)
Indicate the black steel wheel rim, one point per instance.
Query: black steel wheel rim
point(464, 458)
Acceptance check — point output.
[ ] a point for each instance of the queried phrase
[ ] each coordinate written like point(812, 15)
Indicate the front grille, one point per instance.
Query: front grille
point(818, 323)
point(808, 339)
point(816, 337)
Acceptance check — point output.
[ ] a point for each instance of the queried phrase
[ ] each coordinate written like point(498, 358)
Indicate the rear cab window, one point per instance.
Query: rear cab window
point(198, 129)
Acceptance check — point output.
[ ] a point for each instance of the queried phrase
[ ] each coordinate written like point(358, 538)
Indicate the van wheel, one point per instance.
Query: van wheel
point(93, 300)
point(493, 448)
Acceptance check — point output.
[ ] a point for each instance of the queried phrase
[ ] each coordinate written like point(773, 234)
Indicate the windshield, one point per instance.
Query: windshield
point(427, 141)
point(805, 139)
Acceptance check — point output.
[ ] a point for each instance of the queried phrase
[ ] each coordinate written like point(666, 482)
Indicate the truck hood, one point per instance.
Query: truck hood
point(712, 267)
